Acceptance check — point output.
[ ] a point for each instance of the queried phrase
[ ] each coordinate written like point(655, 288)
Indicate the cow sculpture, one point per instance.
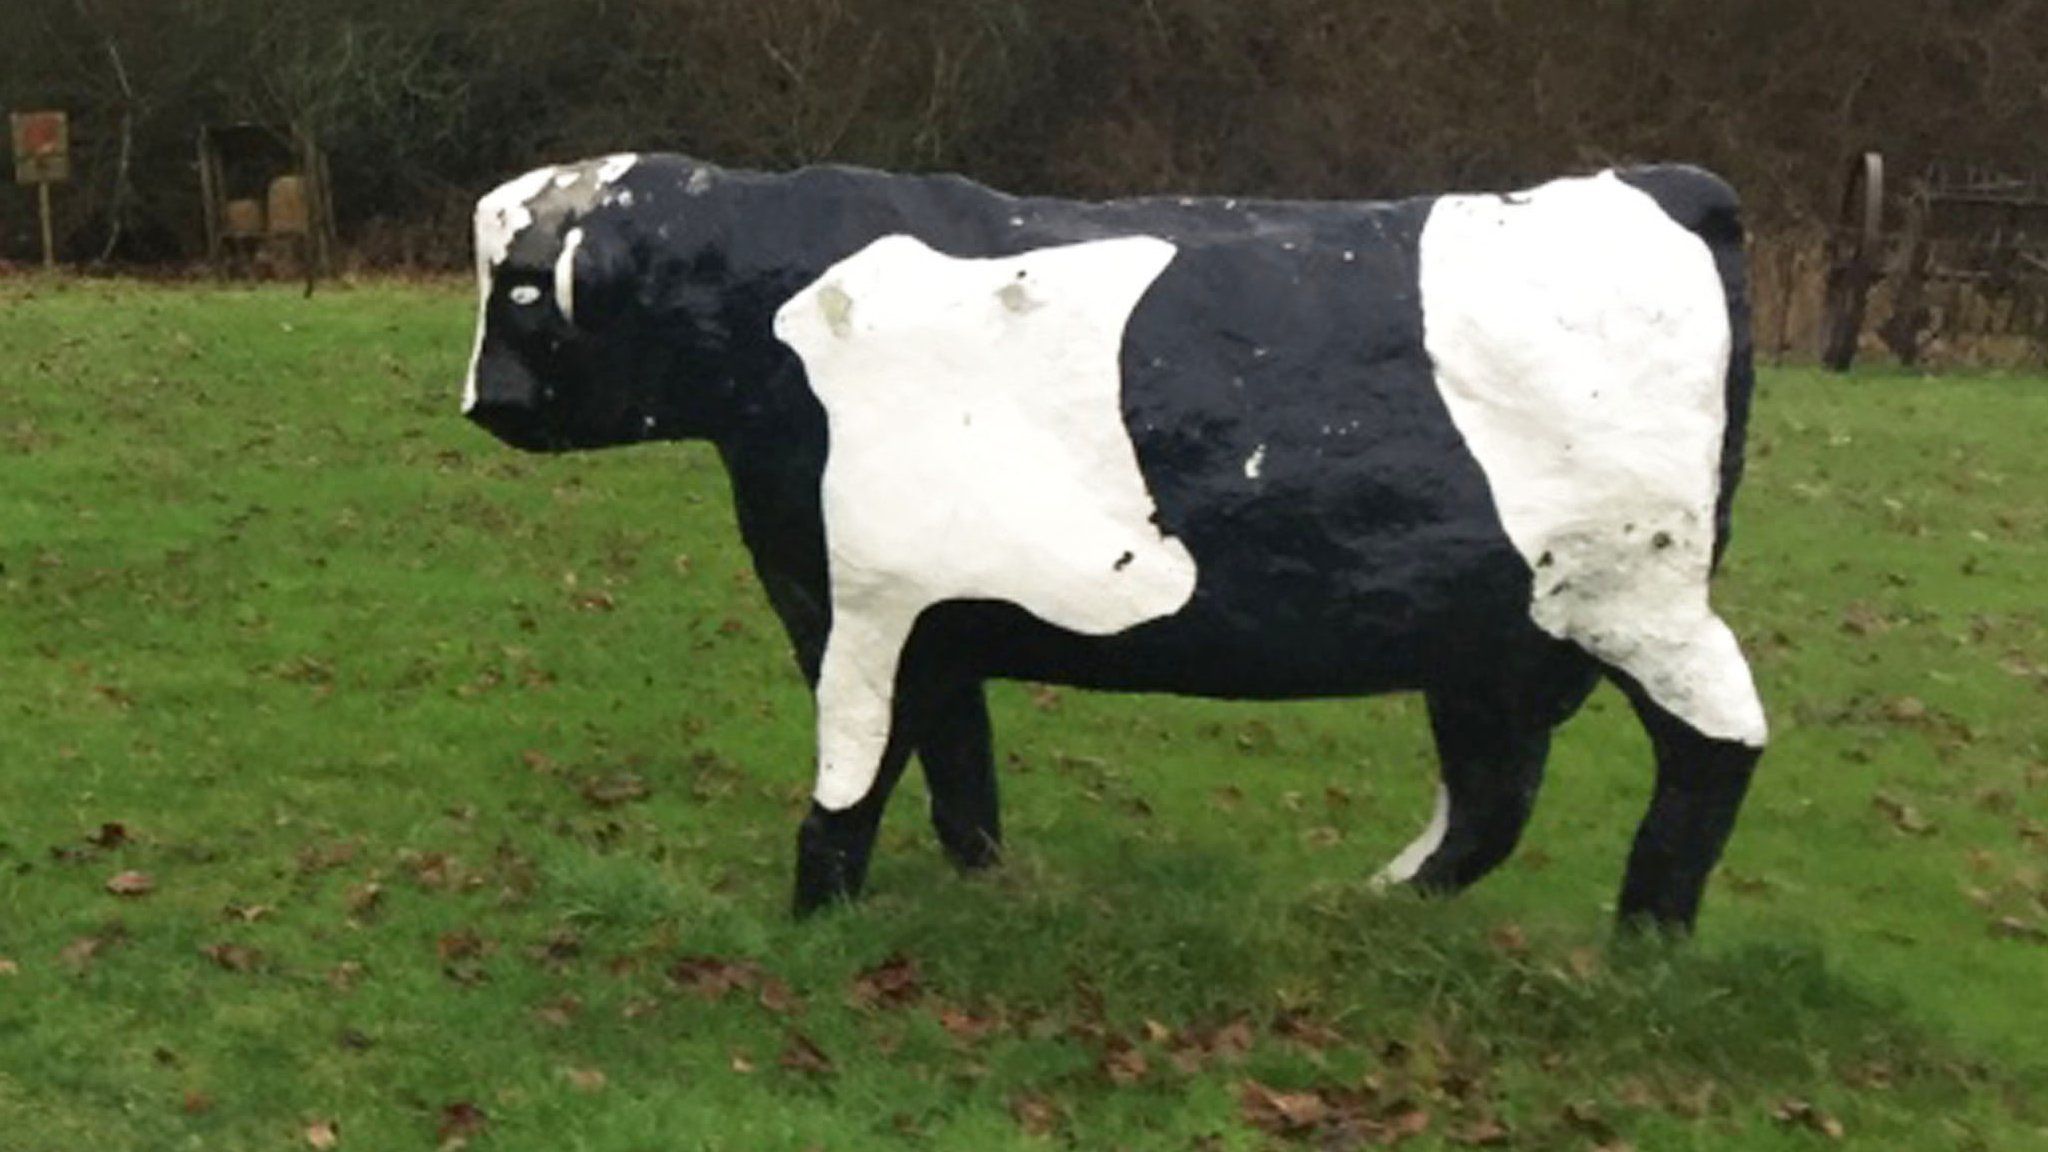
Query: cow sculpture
point(1476, 446)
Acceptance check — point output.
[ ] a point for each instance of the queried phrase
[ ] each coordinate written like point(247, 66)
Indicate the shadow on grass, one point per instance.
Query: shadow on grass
point(1145, 932)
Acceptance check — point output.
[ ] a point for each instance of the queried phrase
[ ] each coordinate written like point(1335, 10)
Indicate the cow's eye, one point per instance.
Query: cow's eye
point(525, 294)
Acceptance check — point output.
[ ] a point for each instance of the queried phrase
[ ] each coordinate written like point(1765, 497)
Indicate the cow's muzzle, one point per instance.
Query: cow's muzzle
point(520, 425)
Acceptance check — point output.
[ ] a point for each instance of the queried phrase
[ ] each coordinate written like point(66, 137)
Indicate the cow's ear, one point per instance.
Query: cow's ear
point(593, 281)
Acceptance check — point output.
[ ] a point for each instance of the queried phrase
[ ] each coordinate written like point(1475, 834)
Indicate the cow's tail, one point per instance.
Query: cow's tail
point(1703, 204)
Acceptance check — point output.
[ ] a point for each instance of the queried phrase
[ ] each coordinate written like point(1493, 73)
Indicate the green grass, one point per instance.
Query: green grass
point(369, 696)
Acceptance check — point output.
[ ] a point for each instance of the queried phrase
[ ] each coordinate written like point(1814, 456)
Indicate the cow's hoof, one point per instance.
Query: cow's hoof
point(972, 851)
point(820, 886)
point(1646, 924)
point(831, 861)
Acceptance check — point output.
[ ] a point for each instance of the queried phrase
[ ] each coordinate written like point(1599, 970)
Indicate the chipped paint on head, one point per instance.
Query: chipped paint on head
point(1255, 463)
point(1016, 298)
point(837, 308)
point(698, 183)
point(549, 197)
point(565, 275)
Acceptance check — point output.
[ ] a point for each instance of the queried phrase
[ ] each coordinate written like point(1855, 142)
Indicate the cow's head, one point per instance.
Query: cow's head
point(575, 348)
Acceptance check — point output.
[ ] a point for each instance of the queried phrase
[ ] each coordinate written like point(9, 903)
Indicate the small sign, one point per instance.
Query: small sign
point(42, 147)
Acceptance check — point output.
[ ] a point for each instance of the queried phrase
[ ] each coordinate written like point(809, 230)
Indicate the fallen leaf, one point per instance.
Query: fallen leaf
point(460, 1122)
point(1123, 1063)
point(1306, 1031)
point(2014, 928)
point(323, 1134)
point(1035, 1114)
point(612, 791)
point(1280, 1113)
point(1485, 1132)
point(197, 1103)
point(1903, 816)
point(711, 977)
point(362, 899)
point(233, 957)
point(81, 951)
point(893, 983)
point(110, 835)
point(801, 1054)
point(741, 1064)
point(965, 1026)
point(559, 1012)
point(131, 884)
point(464, 944)
point(777, 997)
point(246, 913)
point(343, 977)
point(9, 967)
point(1796, 1113)
point(585, 1080)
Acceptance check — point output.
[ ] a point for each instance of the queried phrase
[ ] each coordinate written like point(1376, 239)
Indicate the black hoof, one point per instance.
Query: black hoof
point(972, 850)
point(832, 853)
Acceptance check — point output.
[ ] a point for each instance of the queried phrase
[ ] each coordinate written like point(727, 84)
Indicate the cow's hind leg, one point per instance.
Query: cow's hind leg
point(1701, 781)
point(1492, 740)
point(960, 773)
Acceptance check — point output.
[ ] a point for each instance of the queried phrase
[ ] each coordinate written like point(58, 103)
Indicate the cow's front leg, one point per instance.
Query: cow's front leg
point(960, 773)
point(1701, 782)
point(862, 749)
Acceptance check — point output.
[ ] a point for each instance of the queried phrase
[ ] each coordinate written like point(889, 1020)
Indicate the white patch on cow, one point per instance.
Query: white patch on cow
point(978, 452)
point(1255, 462)
point(500, 216)
point(1580, 340)
point(565, 275)
point(616, 166)
point(1403, 868)
point(525, 294)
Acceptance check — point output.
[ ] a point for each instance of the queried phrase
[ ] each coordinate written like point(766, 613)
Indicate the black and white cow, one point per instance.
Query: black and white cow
point(1479, 446)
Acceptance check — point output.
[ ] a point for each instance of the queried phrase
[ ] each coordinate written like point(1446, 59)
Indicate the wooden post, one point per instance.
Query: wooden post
point(49, 236)
point(42, 156)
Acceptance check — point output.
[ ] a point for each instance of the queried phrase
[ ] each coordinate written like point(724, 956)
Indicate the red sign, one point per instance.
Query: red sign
point(42, 147)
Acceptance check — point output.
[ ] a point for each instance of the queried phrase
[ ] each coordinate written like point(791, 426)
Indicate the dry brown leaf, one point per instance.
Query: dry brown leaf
point(362, 899)
point(777, 997)
point(894, 983)
point(81, 951)
point(460, 1123)
point(1280, 1113)
point(559, 1012)
point(1035, 1114)
point(711, 977)
point(323, 1135)
point(614, 790)
point(585, 1080)
point(1123, 1063)
point(1796, 1113)
point(110, 835)
point(131, 884)
point(801, 1054)
point(233, 957)
point(1903, 816)
point(965, 1026)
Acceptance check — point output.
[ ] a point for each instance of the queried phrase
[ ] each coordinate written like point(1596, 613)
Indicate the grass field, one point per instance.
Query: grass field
point(463, 785)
